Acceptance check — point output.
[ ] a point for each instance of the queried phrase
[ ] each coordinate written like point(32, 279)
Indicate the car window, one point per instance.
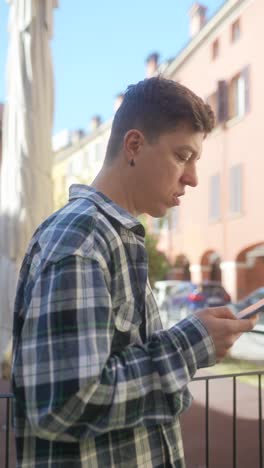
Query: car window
point(185, 288)
point(168, 290)
point(257, 296)
point(253, 298)
point(211, 290)
point(179, 289)
point(261, 319)
point(250, 299)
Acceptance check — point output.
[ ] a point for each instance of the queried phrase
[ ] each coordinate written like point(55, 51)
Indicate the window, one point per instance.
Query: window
point(70, 168)
point(174, 218)
point(104, 144)
point(165, 222)
point(236, 189)
point(212, 101)
point(238, 94)
point(98, 150)
point(215, 49)
point(156, 225)
point(222, 101)
point(219, 102)
point(235, 31)
point(160, 224)
point(214, 197)
point(86, 158)
point(231, 99)
point(75, 166)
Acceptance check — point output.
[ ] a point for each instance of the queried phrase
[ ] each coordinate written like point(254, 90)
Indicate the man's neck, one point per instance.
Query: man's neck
point(110, 182)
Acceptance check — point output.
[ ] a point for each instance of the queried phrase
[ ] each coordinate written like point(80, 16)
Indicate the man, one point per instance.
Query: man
point(97, 382)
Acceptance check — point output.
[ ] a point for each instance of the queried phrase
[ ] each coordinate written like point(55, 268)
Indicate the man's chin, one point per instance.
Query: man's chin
point(158, 212)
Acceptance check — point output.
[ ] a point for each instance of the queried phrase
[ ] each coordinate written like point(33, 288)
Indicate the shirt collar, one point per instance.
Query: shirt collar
point(109, 207)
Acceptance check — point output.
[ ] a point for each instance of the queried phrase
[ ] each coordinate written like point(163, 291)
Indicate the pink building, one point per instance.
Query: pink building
point(218, 231)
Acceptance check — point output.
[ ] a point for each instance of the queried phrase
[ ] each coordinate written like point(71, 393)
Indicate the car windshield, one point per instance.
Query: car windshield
point(251, 298)
point(184, 288)
point(212, 290)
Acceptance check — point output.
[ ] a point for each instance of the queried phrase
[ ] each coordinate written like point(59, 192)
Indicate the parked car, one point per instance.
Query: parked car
point(195, 297)
point(248, 300)
point(209, 294)
point(162, 289)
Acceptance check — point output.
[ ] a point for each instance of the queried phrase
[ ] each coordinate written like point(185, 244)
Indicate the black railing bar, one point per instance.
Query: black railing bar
point(6, 395)
point(260, 423)
point(207, 423)
point(225, 376)
point(7, 432)
point(203, 377)
point(234, 423)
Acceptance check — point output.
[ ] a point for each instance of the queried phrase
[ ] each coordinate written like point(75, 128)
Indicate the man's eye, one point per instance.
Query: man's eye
point(180, 156)
point(183, 157)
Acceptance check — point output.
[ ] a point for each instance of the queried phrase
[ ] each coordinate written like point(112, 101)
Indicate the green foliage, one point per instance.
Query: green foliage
point(158, 263)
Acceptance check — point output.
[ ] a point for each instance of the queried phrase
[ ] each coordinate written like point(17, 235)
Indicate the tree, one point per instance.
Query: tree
point(158, 262)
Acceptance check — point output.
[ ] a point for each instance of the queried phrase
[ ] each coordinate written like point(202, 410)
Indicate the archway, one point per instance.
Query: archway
point(250, 269)
point(210, 266)
point(181, 269)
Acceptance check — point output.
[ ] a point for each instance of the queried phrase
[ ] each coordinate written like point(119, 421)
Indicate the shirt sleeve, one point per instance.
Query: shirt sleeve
point(74, 387)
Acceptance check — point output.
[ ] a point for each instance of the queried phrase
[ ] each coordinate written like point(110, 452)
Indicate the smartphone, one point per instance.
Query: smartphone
point(251, 310)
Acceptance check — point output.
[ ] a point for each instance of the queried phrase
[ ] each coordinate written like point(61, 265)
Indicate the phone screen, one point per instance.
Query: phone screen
point(252, 310)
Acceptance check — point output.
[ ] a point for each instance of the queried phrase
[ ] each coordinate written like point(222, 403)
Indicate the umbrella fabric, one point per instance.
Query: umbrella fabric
point(25, 177)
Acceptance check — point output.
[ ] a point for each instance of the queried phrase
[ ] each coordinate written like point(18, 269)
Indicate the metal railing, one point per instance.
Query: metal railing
point(6, 429)
point(7, 426)
point(234, 378)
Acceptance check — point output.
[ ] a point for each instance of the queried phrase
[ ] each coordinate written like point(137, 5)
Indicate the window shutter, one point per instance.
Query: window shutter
point(174, 218)
point(156, 225)
point(214, 199)
point(236, 189)
point(246, 76)
point(222, 101)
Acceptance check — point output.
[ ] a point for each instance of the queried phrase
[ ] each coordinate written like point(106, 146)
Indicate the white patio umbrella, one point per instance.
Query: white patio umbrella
point(25, 175)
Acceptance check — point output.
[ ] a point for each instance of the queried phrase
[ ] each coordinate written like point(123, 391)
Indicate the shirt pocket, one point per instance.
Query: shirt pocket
point(128, 316)
point(128, 319)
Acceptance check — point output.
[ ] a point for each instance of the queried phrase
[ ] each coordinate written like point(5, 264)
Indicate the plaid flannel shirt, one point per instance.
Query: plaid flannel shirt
point(97, 382)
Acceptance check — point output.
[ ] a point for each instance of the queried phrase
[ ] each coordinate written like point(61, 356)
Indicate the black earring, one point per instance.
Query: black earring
point(132, 162)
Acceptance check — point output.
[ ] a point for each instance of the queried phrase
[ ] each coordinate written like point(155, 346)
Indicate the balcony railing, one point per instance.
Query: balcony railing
point(234, 378)
point(7, 429)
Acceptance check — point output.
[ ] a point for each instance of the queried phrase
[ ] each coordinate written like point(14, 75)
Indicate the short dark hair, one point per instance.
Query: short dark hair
point(157, 105)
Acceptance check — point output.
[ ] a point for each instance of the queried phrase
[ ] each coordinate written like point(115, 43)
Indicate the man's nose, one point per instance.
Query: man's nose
point(190, 176)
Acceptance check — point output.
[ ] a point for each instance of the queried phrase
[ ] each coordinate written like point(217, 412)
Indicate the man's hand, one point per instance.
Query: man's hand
point(224, 327)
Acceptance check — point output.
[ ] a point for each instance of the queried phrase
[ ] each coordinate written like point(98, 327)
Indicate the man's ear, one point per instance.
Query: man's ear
point(132, 143)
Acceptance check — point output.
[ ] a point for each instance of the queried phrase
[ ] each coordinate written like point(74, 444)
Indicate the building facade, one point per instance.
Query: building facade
point(79, 161)
point(218, 231)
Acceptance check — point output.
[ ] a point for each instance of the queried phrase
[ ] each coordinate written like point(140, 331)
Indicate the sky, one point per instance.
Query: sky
point(100, 47)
